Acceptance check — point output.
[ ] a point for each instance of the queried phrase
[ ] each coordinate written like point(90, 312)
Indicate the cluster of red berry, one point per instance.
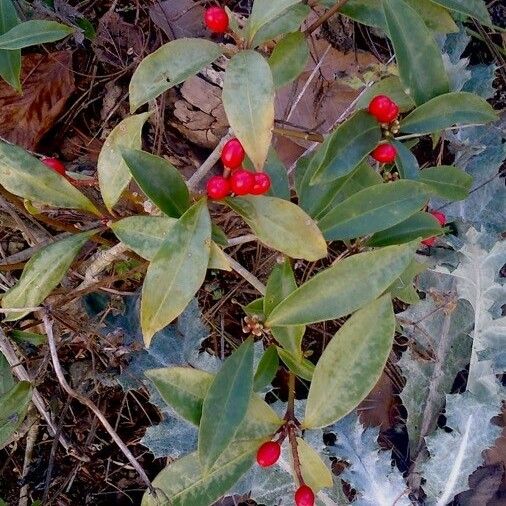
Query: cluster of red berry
point(267, 455)
point(241, 181)
point(442, 221)
point(386, 111)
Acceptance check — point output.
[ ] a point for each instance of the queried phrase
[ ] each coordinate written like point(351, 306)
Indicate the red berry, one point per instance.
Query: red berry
point(442, 221)
point(262, 183)
point(242, 181)
point(383, 109)
point(216, 19)
point(233, 154)
point(218, 187)
point(304, 496)
point(268, 454)
point(384, 153)
point(55, 164)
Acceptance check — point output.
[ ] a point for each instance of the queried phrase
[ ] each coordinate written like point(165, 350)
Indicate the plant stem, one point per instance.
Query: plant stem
point(291, 428)
point(242, 271)
point(307, 136)
point(333, 10)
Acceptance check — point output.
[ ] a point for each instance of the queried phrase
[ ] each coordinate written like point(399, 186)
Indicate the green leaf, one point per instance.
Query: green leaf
point(265, 12)
point(281, 225)
point(459, 108)
point(185, 483)
point(421, 225)
point(374, 209)
point(351, 364)
point(402, 288)
point(159, 180)
point(266, 369)
point(418, 57)
point(345, 287)
point(280, 285)
point(315, 472)
point(406, 162)
point(25, 176)
point(113, 173)
point(10, 61)
point(279, 177)
point(6, 378)
point(390, 86)
point(448, 182)
point(300, 366)
point(28, 337)
point(248, 99)
point(31, 33)
point(177, 270)
point(13, 408)
point(345, 148)
point(474, 8)
point(169, 66)
point(42, 273)
point(225, 404)
point(289, 58)
point(255, 308)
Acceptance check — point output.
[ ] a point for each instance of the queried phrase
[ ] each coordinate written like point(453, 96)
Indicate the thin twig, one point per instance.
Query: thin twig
point(250, 278)
point(291, 427)
point(331, 12)
point(30, 444)
point(243, 239)
point(297, 134)
point(88, 403)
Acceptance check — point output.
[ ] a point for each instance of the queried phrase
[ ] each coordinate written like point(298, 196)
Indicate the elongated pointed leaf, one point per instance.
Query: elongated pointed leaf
point(177, 270)
point(406, 162)
point(184, 483)
point(113, 172)
point(374, 209)
point(10, 61)
point(169, 66)
point(418, 57)
point(42, 273)
point(391, 87)
point(315, 472)
point(448, 182)
point(345, 287)
point(459, 108)
point(280, 285)
point(280, 186)
point(248, 98)
point(266, 369)
point(31, 33)
point(225, 404)
point(345, 148)
point(159, 180)
point(421, 225)
point(351, 364)
point(13, 408)
point(289, 58)
point(7, 379)
point(474, 8)
point(281, 225)
point(25, 176)
point(403, 287)
point(300, 366)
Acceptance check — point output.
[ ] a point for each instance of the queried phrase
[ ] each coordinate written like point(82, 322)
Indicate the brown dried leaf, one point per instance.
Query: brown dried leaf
point(178, 19)
point(48, 82)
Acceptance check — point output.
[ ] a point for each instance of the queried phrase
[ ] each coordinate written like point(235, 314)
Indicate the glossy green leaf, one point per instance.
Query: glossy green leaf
point(159, 180)
point(374, 209)
point(345, 287)
point(13, 408)
point(406, 162)
point(421, 225)
point(31, 33)
point(459, 108)
point(279, 177)
point(169, 66)
point(177, 271)
point(185, 483)
point(300, 366)
point(315, 472)
point(113, 172)
point(280, 285)
point(447, 181)
point(7, 379)
point(281, 225)
point(351, 364)
point(474, 8)
point(345, 148)
point(390, 86)
point(42, 273)
point(418, 57)
point(25, 176)
point(402, 288)
point(289, 58)
point(184, 389)
point(255, 308)
point(10, 61)
point(266, 369)
point(248, 99)
point(289, 21)
point(225, 404)
point(28, 337)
